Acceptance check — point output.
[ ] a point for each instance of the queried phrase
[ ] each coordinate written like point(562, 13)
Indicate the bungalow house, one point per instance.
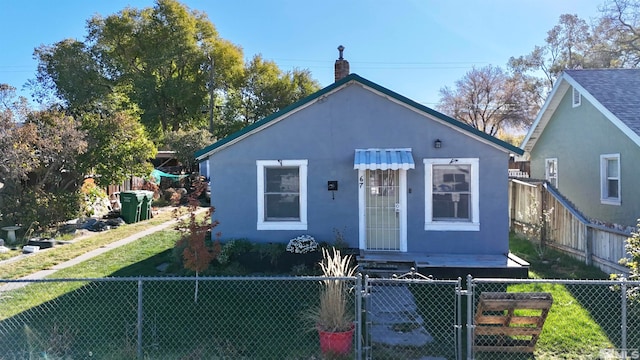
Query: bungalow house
point(586, 142)
point(400, 181)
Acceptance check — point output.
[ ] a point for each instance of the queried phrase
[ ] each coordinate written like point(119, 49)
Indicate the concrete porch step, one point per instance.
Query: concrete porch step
point(380, 268)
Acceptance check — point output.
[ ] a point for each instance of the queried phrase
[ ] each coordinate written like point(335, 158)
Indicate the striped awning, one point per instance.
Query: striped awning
point(383, 159)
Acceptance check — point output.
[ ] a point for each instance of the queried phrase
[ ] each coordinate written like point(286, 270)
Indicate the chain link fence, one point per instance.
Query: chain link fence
point(410, 317)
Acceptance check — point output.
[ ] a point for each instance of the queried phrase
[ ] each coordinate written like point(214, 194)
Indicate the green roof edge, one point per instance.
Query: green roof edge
point(356, 77)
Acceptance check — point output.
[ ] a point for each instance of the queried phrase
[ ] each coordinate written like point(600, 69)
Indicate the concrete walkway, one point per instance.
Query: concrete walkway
point(88, 255)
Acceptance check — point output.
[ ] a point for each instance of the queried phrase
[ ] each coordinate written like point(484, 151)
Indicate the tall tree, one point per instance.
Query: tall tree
point(611, 41)
point(68, 72)
point(565, 48)
point(262, 90)
point(490, 100)
point(621, 23)
point(16, 141)
point(59, 141)
point(118, 143)
point(160, 57)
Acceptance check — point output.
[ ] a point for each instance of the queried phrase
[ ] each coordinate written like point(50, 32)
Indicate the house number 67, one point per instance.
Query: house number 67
point(361, 181)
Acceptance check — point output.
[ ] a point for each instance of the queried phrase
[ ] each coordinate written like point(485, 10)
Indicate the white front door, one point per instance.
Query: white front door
point(382, 195)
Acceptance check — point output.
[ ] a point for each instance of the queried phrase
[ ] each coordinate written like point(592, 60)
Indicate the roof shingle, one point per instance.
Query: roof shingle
point(618, 90)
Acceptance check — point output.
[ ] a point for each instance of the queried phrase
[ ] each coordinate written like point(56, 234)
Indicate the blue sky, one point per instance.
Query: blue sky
point(413, 47)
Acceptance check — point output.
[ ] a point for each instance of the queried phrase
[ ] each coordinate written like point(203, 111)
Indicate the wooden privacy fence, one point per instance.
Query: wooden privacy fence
point(536, 205)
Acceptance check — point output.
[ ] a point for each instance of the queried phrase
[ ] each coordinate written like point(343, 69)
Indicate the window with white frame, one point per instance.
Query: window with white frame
point(610, 179)
point(577, 98)
point(452, 194)
point(551, 171)
point(282, 194)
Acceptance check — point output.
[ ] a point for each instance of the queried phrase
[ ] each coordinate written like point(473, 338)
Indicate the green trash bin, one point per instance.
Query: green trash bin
point(131, 205)
point(145, 209)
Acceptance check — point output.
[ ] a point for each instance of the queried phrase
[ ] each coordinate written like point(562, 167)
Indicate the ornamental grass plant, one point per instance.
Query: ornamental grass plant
point(333, 313)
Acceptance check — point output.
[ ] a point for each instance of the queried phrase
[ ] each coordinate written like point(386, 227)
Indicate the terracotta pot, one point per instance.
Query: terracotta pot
point(336, 343)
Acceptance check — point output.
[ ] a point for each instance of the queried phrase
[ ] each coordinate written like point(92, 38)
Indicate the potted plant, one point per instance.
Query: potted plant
point(334, 317)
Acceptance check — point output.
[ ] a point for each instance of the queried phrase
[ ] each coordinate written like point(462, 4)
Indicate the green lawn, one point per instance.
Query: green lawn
point(584, 318)
point(46, 259)
point(232, 319)
point(247, 319)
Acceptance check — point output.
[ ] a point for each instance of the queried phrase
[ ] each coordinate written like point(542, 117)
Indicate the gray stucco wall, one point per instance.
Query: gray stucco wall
point(577, 137)
point(326, 134)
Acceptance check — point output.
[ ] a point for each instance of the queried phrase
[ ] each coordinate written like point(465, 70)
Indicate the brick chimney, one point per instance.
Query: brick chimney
point(342, 65)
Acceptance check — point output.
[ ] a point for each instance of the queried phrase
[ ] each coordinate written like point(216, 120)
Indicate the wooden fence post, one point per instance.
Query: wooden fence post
point(588, 248)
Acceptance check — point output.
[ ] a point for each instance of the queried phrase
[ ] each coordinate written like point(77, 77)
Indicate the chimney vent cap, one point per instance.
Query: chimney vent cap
point(340, 49)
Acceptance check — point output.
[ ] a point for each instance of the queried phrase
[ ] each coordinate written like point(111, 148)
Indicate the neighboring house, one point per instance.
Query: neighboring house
point(586, 142)
point(392, 176)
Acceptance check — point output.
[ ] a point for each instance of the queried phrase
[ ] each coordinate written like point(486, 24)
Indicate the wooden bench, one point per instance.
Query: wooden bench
point(510, 322)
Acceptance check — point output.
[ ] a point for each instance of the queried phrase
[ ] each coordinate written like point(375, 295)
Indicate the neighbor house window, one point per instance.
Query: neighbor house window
point(282, 194)
point(577, 98)
point(452, 194)
point(610, 179)
point(551, 171)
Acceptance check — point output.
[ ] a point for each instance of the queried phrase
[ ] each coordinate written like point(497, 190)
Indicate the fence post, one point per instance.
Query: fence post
point(459, 292)
point(470, 325)
point(623, 321)
point(588, 255)
point(359, 294)
point(139, 327)
point(541, 215)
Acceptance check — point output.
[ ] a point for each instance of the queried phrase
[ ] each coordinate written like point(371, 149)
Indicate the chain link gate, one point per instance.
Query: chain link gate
point(412, 317)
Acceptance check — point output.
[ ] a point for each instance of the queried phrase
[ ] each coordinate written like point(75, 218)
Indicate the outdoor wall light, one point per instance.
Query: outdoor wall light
point(332, 185)
point(437, 144)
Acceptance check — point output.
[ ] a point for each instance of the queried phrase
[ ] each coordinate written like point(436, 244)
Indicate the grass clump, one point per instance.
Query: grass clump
point(334, 314)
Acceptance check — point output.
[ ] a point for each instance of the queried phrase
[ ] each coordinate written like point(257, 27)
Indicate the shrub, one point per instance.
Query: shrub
point(94, 199)
point(633, 263)
point(41, 209)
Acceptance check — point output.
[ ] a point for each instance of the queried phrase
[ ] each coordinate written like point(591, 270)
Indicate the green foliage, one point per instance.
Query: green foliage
point(16, 142)
point(186, 143)
point(119, 148)
point(58, 142)
point(271, 251)
point(92, 196)
point(610, 41)
point(41, 208)
point(232, 249)
point(261, 90)
point(633, 263)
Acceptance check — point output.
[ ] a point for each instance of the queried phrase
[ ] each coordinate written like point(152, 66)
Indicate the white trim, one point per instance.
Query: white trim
point(403, 210)
point(362, 216)
point(544, 115)
point(362, 225)
point(282, 225)
point(576, 100)
point(604, 177)
point(474, 224)
point(546, 170)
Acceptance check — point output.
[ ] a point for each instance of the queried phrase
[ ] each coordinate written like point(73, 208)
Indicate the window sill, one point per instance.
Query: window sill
point(610, 202)
point(452, 226)
point(282, 225)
